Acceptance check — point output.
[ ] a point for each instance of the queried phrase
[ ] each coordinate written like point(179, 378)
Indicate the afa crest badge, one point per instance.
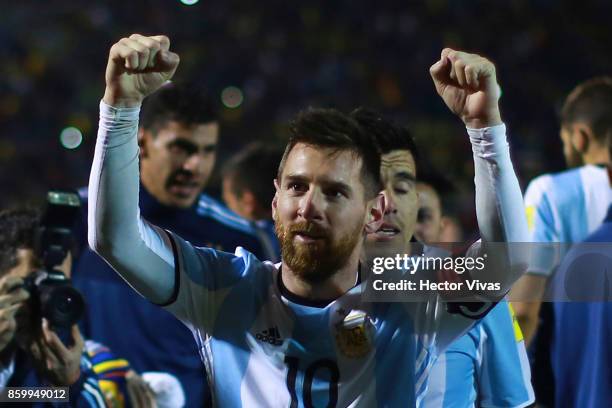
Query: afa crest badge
point(354, 335)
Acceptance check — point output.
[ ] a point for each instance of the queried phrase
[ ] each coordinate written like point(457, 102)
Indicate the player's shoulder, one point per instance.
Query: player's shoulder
point(560, 186)
point(576, 174)
point(538, 188)
point(209, 207)
point(238, 264)
point(583, 175)
point(545, 180)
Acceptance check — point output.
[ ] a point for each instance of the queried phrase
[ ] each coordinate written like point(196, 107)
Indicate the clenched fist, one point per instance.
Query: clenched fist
point(468, 85)
point(138, 66)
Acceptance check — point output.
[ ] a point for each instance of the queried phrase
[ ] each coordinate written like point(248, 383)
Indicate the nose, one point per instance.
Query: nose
point(311, 205)
point(193, 163)
point(391, 205)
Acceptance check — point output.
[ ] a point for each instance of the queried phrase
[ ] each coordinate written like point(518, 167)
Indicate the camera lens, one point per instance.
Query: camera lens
point(63, 306)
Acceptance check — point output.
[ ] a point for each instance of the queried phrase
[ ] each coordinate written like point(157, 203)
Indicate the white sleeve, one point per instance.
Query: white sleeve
point(499, 209)
point(499, 202)
point(141, 253)
point(503, 227)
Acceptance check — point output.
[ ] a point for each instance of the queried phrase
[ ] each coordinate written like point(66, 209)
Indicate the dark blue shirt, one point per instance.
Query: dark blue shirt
point(150, 338)
point(84, 393)
point(581, 351)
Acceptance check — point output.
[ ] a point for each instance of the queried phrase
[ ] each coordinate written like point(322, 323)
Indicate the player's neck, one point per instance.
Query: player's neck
point(332, 288)
point(599, 156)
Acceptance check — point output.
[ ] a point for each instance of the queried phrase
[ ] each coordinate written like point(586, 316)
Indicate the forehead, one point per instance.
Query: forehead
point(396, 162)
point(201, 133)
point(428, 197)
point(25, 263)
point(323, 162)
point(565, 130)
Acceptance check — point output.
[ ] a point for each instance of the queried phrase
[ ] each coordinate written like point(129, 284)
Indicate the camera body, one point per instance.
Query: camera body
point(52, 297)
point(51, 294)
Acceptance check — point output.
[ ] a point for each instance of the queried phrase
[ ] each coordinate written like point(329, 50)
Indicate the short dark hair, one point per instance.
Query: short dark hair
point(444, 188)
point(254, 168)
point(176, 102)
point(590, 102)
point(437, 181)
point(331, 128)
point(17, 230)
point(388, 135)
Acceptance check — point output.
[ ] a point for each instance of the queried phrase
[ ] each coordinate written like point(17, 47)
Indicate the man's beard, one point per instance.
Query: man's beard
point(315, 262)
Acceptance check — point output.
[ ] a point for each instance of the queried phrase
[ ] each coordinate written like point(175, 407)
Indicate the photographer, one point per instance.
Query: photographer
point(31, 353)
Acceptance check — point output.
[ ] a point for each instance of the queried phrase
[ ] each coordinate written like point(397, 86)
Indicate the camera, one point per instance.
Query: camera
point(51, 294)
point(53, 298)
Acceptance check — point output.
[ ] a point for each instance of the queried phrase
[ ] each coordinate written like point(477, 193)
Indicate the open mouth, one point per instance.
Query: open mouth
point(307, 237)
point(387, 231)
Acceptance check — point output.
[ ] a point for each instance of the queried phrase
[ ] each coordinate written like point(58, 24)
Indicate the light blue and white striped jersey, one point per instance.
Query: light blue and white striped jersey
point(564, 208)
point(486, 367)
point(264, 347)
point(262, 230)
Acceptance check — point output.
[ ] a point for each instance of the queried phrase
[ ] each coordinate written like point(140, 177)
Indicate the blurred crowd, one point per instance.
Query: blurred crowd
point(263, 62)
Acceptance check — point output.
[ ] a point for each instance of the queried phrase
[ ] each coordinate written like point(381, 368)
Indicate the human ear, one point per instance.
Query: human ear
point(275, 199)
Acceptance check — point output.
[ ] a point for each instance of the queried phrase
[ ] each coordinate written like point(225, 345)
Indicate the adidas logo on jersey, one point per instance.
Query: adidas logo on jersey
point(271, 336)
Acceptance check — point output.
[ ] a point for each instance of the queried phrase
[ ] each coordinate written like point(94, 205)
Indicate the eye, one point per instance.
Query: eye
point(402, 188)
point(183, 147)
point(423, 215)
point(174, 149)
point(334, 193)
point(297, 187)
point(209, 149)
point(178, 149)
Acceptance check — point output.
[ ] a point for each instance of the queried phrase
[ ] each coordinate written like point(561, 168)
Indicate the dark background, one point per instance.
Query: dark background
point(284, 56)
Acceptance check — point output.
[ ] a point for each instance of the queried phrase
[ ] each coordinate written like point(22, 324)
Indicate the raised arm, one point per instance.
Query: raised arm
point(140, 253)
point(468, 85)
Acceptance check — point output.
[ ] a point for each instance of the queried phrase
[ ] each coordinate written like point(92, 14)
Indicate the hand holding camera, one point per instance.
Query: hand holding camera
point(58, 363)
point(12, 297)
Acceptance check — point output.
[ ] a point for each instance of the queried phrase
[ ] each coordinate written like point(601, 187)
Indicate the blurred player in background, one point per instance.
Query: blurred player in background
point(248, 189)
point(178, 137)
point(562, 209)
point(565, 207)
point(433, 217)
point(581, 349)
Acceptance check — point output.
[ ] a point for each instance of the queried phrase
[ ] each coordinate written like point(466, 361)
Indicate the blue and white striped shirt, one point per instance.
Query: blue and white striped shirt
point(486, 367)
